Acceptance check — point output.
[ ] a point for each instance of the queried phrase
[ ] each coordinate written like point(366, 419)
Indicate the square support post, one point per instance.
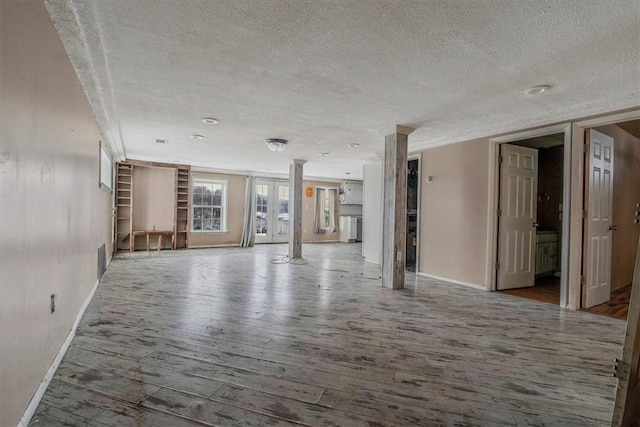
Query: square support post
point(394, 222)
point(295, 208)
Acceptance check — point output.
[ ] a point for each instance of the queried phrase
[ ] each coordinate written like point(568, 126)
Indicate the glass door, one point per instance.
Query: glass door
point(272, 211)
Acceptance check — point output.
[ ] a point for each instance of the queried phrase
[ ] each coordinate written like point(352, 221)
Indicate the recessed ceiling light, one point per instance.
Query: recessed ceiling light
point(537, 90)
point(209, 121)
point(324, 154)
point(353, 145)
point(161, 141)
point(196, 136)
point(276, 144)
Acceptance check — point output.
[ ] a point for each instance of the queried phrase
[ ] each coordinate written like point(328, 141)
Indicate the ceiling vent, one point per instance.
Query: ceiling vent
point(162, 141)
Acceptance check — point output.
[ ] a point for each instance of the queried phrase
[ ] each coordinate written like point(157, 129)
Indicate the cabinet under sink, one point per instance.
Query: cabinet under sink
point(546, 252)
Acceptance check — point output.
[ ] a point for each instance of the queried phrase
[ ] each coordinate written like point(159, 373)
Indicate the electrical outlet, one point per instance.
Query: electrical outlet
point(52, 303)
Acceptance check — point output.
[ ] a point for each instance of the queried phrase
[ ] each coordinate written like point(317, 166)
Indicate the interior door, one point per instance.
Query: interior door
point(598, 227)
point(517, 217)
point(272, 211)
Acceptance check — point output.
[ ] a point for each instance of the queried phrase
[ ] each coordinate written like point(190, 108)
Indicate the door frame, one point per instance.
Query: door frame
point(493, 203)
point(273, 184)
point(418, 157)
point(577, 200)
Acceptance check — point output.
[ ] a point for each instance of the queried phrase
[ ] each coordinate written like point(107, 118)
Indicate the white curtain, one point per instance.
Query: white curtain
point(326, 212)
point(249, 223)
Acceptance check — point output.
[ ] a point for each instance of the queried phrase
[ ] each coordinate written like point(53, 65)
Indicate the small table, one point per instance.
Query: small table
point(149, 233)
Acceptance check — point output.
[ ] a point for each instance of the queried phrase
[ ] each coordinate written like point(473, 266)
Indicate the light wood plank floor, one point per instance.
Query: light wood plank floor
point(234, 337)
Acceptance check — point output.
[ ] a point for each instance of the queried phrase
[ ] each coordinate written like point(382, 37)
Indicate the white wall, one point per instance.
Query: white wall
point(53, 216)
point(372, 213)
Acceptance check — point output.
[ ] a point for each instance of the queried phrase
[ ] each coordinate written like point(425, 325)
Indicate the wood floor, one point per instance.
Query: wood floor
point(546, 289)
point(617, 306)
point(227, 337)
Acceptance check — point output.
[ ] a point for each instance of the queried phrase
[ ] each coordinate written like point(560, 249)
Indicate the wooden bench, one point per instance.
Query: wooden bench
point(149, 233)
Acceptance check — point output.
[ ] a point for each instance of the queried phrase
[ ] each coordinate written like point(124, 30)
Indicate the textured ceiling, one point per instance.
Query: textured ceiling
point(324, 74)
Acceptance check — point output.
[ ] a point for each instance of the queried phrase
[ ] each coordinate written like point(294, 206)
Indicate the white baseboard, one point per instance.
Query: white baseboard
point(229, 245)
point(457, 282)
point(35, 400)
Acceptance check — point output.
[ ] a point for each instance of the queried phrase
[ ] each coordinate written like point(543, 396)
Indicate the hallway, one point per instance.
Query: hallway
point(236, 337)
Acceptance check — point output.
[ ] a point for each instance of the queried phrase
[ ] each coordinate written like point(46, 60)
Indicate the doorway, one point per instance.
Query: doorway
point(413, 203)
point(529, 217)
point(612, 216)
point(272, 211)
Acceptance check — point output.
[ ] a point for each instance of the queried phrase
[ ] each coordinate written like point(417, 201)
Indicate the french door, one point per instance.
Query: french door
point(272, 211)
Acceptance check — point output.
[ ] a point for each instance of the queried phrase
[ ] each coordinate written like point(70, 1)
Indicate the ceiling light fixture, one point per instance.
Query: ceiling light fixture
point(353, 145)
point(196, 136)
point(276, 144)
point(210, 121)
point(324, 154)
point(537, 90)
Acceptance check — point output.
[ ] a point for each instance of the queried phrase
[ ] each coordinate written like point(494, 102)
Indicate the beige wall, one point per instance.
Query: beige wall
point(53, 215)
point(153, 198)
point(453, 211)
point(308, 209)
point(235, 213)
point(626, 193)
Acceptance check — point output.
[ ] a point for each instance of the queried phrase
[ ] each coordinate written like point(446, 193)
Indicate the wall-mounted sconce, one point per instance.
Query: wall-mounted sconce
point(429, 179)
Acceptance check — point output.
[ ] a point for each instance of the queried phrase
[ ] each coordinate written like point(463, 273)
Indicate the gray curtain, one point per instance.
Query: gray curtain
point(249, 223)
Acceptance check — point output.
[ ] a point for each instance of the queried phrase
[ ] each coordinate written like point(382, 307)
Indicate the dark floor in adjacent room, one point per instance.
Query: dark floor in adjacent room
point(235, 337)
point(546, 289)
point(617, 306)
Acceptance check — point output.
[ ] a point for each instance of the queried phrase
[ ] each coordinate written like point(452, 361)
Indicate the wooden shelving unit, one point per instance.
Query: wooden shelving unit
point(124, 205)
point(183, 189)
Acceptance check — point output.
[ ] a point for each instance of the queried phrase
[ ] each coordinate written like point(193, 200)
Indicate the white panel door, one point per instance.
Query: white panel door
point(597, 226)
point(517, 221)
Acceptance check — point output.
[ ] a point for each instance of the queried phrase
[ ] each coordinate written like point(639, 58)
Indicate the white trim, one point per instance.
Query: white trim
point(493, 201)
point(454, 281)
point(266, 175)
point(229, 245)
point(35, 400)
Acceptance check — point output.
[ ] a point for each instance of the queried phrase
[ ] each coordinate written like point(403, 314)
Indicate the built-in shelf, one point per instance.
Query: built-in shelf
point(124, 212)
point(182, 204)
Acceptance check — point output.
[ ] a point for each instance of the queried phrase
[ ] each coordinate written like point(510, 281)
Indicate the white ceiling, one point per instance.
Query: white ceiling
point(324, 74)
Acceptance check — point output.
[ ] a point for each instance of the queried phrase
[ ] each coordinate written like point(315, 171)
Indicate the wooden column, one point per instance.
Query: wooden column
point(295, 209)
point(394, 216)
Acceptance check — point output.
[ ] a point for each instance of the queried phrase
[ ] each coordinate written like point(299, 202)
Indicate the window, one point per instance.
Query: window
point(105, 170)
point(209, 205)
